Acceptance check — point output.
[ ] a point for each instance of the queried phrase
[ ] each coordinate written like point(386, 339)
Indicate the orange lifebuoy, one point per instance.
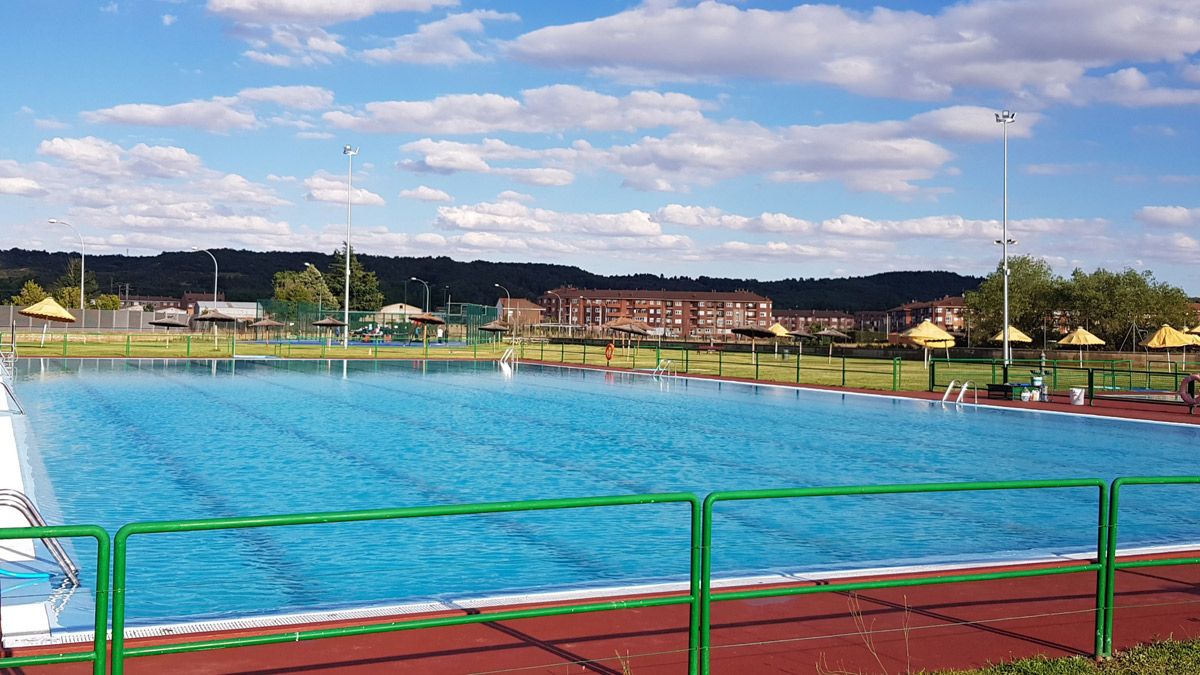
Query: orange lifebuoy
point(608, 352)
point(1185, 390)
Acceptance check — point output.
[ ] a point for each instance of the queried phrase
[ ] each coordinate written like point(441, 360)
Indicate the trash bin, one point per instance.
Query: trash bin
point(1078, 395)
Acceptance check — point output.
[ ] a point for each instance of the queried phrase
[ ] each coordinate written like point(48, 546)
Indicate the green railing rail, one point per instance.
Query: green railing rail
point(120, 568)
point(700, 594)
point(708, 596)
point(1114, 564)
point(98, 655)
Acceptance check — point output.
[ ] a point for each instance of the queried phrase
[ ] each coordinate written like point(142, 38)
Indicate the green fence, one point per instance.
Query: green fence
point(98, 655)
point(120, 567)
point(702, 543)
point(1111, 379)
point(708, 596)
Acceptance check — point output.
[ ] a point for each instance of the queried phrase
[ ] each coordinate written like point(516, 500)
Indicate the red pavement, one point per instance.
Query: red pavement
point(882, 631)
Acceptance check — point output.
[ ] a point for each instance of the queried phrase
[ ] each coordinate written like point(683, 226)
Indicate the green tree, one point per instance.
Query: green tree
point(364, 286)
point(66, 287)
point(304, 287)
point(30, 293)
point(1034, 294)
point(1110, 304)
point(107, 301)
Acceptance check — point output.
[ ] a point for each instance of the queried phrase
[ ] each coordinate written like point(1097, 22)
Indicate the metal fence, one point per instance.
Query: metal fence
point(703, 541)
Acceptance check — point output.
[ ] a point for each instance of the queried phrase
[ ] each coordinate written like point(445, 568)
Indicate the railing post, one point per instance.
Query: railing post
point(755, 355)
point(720, 362)
point(584, 361)
point(189, 347)
point(895, 373)
point(843, 369)
point(128, 337)
point(685, 358)
point(1102, 576)
point(932, 373)
point(64, 343)
point(1004, 370)
point(798, 365)
point(994, 371)
point(1091, 386)
point(562, 352)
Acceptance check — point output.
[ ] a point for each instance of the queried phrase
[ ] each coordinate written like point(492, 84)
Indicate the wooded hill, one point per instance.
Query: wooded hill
point(247, 275)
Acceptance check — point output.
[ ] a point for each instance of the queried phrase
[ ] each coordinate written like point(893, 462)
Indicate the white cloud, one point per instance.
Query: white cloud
point(425, 193)
point(1169, 216)
point(169, 19)
point(24, 187)
point(514, 196)
point(545, 109)
point(298, 97)
point(50, 124)
point(323, 187)
point(1040, 48)
point(438, 42)
point(110, 8)
point(218, 115)
point(290, 45)
point(317, 12)
point(513, 216)
point(314, 135)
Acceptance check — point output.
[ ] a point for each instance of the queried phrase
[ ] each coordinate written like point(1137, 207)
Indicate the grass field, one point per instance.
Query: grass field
point(766, 365)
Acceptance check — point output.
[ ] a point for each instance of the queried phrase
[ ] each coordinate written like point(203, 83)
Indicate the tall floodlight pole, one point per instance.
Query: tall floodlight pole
point(215, 268)
point(508, 306)
point(82, 260)
point(1005, 118)
point(560, 306)
point(350, 153)
point(426, 285)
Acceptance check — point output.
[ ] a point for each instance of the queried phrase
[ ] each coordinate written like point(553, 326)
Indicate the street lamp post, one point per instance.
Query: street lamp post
point(560, 310)
point(426, 285)
point(350, 153)
point(1005, 118)
point(215, 269)
point(82, 262)
point(508, 314)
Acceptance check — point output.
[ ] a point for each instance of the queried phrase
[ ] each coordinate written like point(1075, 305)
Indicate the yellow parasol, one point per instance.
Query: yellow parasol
point(1014, 335)
point(780, 332)
point(928, 335)
point(1167, 338)
point(48, 310)
point(1080, 338)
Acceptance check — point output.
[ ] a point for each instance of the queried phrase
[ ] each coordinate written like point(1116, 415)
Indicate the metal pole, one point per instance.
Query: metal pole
point(1005, 118)
point(82, 264)
point(508, 307)
point(426, 285)
point(216, 269)
point(350, 153)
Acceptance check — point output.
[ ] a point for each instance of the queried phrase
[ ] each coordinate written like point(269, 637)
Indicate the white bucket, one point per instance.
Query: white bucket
point(1037, 380)
point(1078, 396)
point(1025, 394)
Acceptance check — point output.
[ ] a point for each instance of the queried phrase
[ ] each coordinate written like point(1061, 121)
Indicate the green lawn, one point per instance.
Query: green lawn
point(1162, 658)
point(767, 365)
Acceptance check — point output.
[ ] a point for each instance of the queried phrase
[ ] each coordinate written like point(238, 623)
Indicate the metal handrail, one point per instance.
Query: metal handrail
point(962, 392)
point(12, 396)
point(708, 596)
point(17, 500)
point(949, 390)
point(691, 598)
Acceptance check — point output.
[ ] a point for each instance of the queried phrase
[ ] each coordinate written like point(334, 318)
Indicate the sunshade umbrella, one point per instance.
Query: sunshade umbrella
point(330, 323)
point(1080, 337)
point(169, 322)
point(780, 332)
point(214, 317)
point(926, 335)
point(752, 332)
point(1014, 335)
point(799, 334)
point(47, 310)
point(495, 327)
point(833, 334)
point(1166, 338)
point(427, 319)
point(1193, 331)
point(268, 324)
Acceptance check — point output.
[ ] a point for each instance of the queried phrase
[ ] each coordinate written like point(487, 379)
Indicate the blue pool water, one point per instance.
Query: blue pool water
point(112, 442)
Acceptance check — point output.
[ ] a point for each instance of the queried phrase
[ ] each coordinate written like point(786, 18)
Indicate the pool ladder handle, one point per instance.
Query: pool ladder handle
point(508, 360)
point(962, 391)
point(663, 368)
point(17, 500)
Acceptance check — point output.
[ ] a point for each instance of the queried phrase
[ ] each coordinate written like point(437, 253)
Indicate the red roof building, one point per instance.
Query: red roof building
point(681, 314)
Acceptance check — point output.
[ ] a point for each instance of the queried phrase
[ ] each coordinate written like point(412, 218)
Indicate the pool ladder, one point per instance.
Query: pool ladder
point(664, 367)
point(508, 362)
point(962, 391)
point(8, 362)
point(17, 500)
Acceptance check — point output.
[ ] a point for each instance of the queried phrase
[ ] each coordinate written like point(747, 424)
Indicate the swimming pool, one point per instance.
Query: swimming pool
point(114, 441)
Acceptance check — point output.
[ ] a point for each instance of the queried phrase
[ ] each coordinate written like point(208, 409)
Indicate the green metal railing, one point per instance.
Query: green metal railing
point(98, 655)
point(120, 569)
point(699, 598)
point(708, 596)
point(1114, 564)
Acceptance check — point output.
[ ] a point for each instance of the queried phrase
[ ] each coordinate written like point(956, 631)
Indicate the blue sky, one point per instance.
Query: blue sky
point(756, 139)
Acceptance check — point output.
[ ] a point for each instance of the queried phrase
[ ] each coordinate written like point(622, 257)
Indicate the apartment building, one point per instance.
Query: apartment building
point(807, 319)
point(949, 313)
point(679, 314)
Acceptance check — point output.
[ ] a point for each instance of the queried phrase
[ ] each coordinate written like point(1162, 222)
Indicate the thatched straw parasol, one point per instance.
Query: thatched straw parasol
point(47, 310)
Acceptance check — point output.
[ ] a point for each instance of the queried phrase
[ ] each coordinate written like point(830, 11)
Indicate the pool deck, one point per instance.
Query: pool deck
point(880, 631)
